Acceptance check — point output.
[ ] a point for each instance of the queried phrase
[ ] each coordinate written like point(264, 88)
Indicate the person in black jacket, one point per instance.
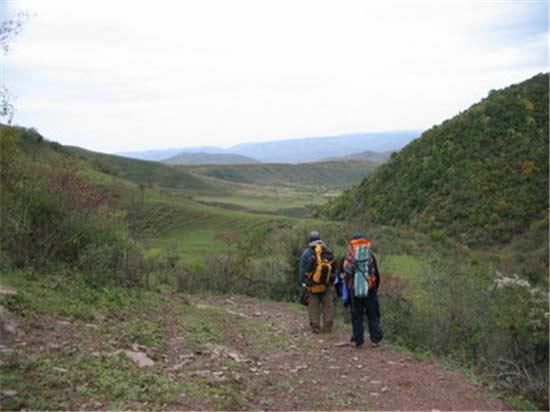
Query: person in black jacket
point(361, 306)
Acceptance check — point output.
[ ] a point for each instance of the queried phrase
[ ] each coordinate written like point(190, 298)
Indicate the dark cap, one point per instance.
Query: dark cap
point(314, 235)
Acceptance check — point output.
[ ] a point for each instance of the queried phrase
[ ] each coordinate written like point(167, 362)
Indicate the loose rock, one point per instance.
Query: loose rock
point(140, 358)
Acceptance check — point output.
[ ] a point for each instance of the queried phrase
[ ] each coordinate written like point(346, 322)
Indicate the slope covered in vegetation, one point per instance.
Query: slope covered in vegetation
point(319, 175)
point(145, 172)
point(98, 213)
point(481, 176)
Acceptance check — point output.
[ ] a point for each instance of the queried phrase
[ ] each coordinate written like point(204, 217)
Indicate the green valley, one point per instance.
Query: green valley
point(458, 219)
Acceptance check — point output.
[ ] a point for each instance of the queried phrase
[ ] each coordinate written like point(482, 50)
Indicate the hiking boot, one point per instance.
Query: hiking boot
point(359, 345)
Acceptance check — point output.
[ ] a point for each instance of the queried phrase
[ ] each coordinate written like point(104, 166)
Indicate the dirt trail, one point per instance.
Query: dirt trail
point(265, 358)
point(337, 376)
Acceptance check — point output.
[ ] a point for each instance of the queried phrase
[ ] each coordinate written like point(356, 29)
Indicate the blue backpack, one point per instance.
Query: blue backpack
point(363, 264)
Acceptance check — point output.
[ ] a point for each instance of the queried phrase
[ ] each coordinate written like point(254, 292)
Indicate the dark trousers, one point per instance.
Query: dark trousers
point(366, 306)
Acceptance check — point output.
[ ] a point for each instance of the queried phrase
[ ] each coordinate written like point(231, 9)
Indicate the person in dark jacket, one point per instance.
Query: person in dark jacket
point(321, 307)
point(361, 306)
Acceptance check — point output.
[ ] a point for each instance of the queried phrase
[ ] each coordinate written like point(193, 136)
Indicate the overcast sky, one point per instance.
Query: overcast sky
point(132, 75)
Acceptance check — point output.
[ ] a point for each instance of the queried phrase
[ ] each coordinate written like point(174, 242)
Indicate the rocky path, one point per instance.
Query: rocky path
point(326, 372)
point(214, 353)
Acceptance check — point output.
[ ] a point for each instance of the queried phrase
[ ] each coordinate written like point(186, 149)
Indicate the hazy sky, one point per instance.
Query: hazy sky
point(131, 75)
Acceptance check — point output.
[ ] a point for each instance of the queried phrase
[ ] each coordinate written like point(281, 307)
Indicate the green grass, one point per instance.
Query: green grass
point(63, 380)
point(270, 199)
point(83, 369)
point(405, 266)
point(322, 176)
point(145, 332)
point(41, 294)
point(519, 403)
point(204, 235)
point(72, 376)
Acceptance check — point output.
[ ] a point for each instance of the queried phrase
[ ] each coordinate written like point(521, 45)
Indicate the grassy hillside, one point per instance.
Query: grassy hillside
point(47, 185)
point(186, 184)
point(145, 172)
point(272, 188)
point(315, 176)
point(481, 176)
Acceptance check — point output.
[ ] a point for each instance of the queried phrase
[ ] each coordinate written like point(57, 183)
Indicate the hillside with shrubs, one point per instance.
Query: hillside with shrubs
point(480, 177)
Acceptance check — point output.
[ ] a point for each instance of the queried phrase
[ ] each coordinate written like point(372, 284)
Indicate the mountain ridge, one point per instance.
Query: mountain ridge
point(299, 150)
point(208, 158)
point(366, 156)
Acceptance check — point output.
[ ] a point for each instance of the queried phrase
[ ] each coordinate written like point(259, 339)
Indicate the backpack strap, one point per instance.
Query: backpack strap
point(318, 249)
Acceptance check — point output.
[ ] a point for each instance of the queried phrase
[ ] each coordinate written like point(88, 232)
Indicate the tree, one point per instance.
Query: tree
point(8, 30)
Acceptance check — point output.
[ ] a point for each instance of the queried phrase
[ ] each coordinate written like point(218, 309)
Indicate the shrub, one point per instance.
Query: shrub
point(52, 214)
point(496, 323)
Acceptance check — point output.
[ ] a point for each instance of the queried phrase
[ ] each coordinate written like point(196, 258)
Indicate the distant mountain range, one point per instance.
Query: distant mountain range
point(296, 150)
point(209, 159)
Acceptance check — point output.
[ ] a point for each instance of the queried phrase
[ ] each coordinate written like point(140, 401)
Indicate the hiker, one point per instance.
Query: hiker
point(317, 269)
point(362, 275)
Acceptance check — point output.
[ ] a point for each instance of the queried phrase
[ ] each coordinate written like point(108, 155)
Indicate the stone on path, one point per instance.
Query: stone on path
point(235, 313)
point(7, 292)
point(62, 370)
point(7, 322)
point(140, 358)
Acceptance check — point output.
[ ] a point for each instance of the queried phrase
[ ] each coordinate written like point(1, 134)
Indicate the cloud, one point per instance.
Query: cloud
point(130, 75)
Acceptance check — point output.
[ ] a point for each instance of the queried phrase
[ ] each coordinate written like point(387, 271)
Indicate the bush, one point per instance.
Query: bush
point(116, 262)
point(52, 215)
point(496, 323)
